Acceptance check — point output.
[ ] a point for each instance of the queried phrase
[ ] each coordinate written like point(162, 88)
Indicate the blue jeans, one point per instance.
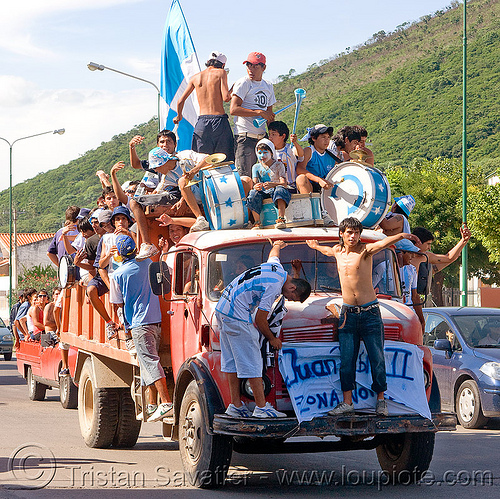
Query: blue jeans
point(255, 198)
point(354, 327)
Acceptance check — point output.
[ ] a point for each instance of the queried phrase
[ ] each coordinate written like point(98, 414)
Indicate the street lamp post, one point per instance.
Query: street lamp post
point(60, 132)
point(93, 66)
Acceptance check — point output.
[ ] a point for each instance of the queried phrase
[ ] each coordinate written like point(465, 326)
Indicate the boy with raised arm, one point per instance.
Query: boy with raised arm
point(360, 317)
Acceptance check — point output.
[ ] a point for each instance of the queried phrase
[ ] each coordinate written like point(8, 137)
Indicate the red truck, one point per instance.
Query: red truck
point(110, 396)
point(40, 366)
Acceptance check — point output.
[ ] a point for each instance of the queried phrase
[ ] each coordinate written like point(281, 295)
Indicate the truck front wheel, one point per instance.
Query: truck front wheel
point(205, 457)
point(97, 410)
point(36, 390)
point(406, 456)
point(68, 392)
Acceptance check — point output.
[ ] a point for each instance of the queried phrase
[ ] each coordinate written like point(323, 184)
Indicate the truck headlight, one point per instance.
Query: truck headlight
point(491, 369)
point(7, 337)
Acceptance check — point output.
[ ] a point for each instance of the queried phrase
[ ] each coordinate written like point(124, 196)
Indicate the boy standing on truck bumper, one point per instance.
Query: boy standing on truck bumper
point(129, 288)
point(360, 318)
point(257, 287)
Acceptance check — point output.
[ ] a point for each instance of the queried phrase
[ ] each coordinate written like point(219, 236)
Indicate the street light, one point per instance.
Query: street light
point(60, 131)
point(93, 66)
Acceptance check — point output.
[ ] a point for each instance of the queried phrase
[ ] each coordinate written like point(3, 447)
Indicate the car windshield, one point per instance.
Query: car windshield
point(299, 261)
point(480, 331)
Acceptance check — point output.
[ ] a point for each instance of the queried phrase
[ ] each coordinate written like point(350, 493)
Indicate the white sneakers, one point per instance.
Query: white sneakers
point(146, 251)
point(268, 411)
point(327, 221)
point(200, 224)
point(164, 410)
point(238, 412)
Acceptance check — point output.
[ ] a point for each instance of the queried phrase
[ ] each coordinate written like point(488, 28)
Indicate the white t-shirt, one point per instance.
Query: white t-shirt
point(258, 287)
point(408, 275)
point(288, 158)
point(272, 173)
point(255, 95)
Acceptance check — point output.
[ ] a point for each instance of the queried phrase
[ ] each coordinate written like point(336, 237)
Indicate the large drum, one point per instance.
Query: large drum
point(303, 210)
point(223, 197)
point(67, 272)
point(359, 191)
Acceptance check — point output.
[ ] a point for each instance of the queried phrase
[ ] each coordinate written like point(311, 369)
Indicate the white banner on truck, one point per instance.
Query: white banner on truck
point(311, 374)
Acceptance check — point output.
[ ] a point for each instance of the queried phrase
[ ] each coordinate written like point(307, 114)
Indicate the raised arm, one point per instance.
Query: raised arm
point(122, 197)
point(442, 261)
point(134, 158)
point(326, 250)
point(277, 247)
point(372, 248)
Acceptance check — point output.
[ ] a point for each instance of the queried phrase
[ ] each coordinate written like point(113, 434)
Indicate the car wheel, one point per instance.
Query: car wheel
point(468, 406)
point(36, 390)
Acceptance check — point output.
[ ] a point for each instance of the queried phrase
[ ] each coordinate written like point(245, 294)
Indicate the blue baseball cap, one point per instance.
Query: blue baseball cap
point(125, 246)
point(406, 245)
point(121, 210)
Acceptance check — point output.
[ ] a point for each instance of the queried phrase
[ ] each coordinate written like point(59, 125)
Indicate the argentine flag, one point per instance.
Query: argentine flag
point(178, 64)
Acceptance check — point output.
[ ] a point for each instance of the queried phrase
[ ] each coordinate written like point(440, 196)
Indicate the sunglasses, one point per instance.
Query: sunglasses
point(130, 191)
point(43, 296)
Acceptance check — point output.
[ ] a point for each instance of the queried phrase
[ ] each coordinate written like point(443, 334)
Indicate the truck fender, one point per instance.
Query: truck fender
point(194, 369)
point(108, 373)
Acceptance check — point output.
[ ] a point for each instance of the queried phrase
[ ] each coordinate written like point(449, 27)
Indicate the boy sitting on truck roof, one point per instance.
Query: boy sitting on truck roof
point(360, 317)
point(257, 288)
point(130, 289)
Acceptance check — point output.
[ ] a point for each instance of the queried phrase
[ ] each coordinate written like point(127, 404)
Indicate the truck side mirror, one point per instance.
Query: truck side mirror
point(444, 345)
point(159, 278)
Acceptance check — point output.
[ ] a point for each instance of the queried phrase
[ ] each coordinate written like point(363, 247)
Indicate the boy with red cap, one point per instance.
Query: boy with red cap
point(253, 97)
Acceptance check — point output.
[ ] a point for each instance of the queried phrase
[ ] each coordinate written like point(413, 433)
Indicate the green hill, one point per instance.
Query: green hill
point(405, 87)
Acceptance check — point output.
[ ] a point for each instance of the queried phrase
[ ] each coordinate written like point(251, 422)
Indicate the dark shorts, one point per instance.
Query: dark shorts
point(167, 198)
point(245, 154)
point(99, 284)
point(212, 133)
point(316, 187)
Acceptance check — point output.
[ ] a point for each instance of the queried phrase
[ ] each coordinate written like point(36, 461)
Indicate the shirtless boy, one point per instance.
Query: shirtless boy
point(360, 317)
point(212, 132)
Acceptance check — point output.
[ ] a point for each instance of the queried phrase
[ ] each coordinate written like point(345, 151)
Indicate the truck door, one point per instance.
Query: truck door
point(186, 318)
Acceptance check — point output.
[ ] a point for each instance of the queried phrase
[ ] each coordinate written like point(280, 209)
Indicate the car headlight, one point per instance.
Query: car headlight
point(491, 369)
point(7, 337)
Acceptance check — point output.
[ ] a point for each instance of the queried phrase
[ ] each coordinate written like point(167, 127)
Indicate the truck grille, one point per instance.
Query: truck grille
point(392, 332)
point(314, 334)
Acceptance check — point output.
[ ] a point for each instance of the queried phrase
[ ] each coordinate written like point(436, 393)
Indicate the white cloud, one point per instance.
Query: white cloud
point(89, 117)
point(18, 22)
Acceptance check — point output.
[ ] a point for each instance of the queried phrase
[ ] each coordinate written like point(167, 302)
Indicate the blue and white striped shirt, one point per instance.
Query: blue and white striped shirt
point(256, 287)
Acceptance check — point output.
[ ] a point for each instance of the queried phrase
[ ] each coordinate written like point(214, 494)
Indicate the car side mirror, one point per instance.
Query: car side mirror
point(444, 345)
point(159, 278)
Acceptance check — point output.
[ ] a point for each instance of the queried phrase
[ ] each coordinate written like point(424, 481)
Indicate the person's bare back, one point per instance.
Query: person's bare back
point(211, 90)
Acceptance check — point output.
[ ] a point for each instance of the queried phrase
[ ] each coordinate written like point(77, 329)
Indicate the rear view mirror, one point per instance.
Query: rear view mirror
point(159, 278)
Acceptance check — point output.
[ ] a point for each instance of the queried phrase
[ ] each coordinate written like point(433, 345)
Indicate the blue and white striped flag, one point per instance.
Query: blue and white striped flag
point(178, 64)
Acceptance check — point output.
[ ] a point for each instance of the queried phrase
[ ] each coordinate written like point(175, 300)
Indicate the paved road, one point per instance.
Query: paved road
point(46, 438)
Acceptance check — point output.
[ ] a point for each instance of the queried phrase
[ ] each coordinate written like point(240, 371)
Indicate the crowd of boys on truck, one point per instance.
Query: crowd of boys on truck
point(102, 243)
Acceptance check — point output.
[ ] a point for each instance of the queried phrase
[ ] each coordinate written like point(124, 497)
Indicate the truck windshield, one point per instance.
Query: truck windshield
point(298, 260)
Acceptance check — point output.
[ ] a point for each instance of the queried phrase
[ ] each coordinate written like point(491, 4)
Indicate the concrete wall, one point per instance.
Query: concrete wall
point(32, 254)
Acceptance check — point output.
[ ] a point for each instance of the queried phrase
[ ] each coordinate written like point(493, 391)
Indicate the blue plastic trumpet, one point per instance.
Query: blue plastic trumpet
point(258, 122)
point(300, 95)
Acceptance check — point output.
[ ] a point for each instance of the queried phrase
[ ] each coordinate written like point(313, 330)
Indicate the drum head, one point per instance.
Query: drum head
point(359, 191)
point(66, 272)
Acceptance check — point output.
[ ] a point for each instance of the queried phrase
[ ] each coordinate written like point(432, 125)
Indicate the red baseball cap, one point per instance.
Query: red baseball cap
point(255, 58)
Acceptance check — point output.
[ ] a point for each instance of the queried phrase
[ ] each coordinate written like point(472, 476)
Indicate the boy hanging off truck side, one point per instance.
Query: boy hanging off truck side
point(360, 317)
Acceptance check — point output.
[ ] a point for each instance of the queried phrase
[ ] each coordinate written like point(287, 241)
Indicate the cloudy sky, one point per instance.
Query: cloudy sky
point(45, 47)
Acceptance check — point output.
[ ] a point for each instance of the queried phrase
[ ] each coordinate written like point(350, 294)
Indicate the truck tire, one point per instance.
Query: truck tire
point(205, 457)
point(406, 456)
point(7, 355)
point(97, 410)
point(468, 406)
point(36, 390)
point(128, 427)
point(68, 392)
